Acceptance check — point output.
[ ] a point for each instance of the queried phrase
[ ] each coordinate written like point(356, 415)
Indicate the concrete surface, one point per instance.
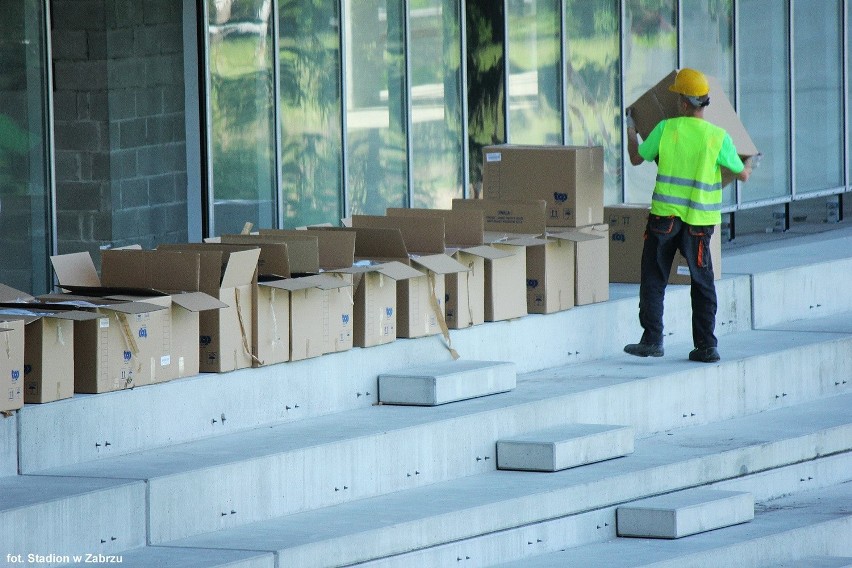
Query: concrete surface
point(448, 381)
point(683, 513)
point(565, 446)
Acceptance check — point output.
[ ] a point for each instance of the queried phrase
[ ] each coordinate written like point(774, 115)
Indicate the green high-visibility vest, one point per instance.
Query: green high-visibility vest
point(689, 181)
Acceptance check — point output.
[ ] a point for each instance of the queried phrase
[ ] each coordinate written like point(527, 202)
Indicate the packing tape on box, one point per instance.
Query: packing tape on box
point(439, 314)
point(243, 335)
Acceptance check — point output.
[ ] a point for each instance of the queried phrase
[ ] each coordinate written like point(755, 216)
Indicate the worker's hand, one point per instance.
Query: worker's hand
point(628, 119)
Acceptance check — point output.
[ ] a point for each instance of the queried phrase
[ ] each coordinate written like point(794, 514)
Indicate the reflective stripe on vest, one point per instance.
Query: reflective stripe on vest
point(689, 181)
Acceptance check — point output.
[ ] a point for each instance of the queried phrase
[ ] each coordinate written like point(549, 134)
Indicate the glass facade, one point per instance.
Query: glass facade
point(313, 111)
point(435, 55)
point(535, 75)
point(376, 107)
point(650, 53)
point(764, 86)
point(310, 114)
point(241, 114)
point(593, 86)
point(25, 150)
point(818, 95)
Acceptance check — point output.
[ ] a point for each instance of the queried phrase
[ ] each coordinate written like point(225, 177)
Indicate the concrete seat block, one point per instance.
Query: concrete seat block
point(564, 447)
point(445, 382)
point(684, 513)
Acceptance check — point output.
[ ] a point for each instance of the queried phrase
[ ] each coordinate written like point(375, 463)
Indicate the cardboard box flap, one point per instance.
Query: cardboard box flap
point(166, 270)
point(9, 294)
point(658, 103)
point(336, 248)
point(440, 264)
point(526, 242)
point(421, 235)
point(292, 284)
point(576, 236)
point(398, 270)
point(488, 252)
point(133, 307)
point(197, 301)
point(302, 252)
point(380, 244)
point(491, 237)
point(461, 227)
point(31, 315)
point(526, 216)
point(240, 268)
point(331, 281)
point(75, 269)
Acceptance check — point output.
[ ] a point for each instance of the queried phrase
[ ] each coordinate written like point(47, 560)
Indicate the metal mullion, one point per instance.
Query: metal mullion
point(563, 62)
point(844, 41)
point(409, 122)
point(506, 72)
point(621, 44)
point(791, 66)
point(465, 132)
point(344, 111)
point(276, 115)
point(738, 187)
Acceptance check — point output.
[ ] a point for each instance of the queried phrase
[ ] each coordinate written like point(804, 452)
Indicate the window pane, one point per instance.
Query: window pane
point(765, 94)
point(310, 111)
point(485, 80)
point(375, 107)
point(709, 28)
point(436, 104)
point(650, 53)
point(241, 114)
point(593, 74)
point(24, 148)
point(535, 79)
point(819, 112)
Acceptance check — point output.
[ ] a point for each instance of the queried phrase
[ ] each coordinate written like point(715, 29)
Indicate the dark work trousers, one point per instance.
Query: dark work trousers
point(663, 237)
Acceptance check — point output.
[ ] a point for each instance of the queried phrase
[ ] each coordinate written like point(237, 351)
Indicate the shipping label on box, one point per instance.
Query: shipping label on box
point(568, 178)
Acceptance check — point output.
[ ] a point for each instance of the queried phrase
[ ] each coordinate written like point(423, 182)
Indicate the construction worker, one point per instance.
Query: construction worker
point(685, 206)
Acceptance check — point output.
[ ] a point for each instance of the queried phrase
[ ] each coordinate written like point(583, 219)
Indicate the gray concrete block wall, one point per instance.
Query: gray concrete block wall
point(119, 123)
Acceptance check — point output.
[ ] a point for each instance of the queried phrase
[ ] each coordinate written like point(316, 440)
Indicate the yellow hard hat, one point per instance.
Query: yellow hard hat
point(690, 83)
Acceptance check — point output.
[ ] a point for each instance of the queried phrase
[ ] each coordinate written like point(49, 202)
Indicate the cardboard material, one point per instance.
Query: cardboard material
point(659, 103)
point(627, 224)
point(505, 281)
point(48, 353)
point(420, 300)
point(591, 262)
point(506, 217)
point(11, 365)
point(228, 273)
point(550, 274)
point(568, 178)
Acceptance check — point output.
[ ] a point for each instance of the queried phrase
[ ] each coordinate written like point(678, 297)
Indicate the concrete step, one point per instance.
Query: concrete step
point(498, 502)
point(64, 516)
point(154, 556)
point(448, 381)
point(817, 562)
point(77, 430)
point(200, 486)
point(8, 445)
point(786, 530)
point(684, 513)
point(562, 447)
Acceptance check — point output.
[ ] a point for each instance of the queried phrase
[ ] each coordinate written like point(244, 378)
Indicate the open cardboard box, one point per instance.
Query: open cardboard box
point(419, 243)
point(11, 365)
point(228, 273)
point(547, 263)
point(591, 261)
point(568, 178)
point(48, 346)
point(464, 304)
point(659, 103)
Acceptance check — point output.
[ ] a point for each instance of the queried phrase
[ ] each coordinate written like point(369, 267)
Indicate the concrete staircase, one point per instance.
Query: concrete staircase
point(299, 465)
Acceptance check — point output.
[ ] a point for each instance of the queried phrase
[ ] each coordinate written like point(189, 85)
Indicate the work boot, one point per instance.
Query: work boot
point(704, 355)
point(644, 350)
